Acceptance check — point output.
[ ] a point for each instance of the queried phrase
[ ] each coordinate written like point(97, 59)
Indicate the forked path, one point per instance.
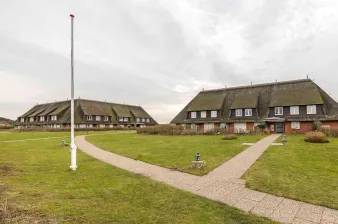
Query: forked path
point(223, 184)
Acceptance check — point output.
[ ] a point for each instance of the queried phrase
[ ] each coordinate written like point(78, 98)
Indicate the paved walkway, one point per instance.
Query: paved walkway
point(223, 185)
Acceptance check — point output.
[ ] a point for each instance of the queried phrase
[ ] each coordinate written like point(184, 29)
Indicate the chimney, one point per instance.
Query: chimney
point(307, 76)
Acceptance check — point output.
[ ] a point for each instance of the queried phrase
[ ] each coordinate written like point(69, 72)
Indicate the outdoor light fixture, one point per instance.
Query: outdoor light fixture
point(72, 137)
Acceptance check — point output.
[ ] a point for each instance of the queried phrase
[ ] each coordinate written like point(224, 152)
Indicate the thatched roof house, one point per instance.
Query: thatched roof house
point(283, 106)
point(88, 114)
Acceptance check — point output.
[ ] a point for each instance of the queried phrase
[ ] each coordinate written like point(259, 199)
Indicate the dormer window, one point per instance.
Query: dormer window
point(106, 118)
point(126, 119)
point(239, 112)
point(120, 118)
point(31, 119)
point(203, 114)
point(89, 117)
point(294, 110)
point(148, 120)
point(53, 118)
point(248, 112)
point(278, 110)
point(214, 113)
point(22, 120)
point(138, 120)
point(98, 118)
point(143, 120)
point(42, 118)
point(193, 114)
point(311, 109)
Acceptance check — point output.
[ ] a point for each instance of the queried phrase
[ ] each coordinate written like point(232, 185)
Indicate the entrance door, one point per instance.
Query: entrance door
point(279, 127)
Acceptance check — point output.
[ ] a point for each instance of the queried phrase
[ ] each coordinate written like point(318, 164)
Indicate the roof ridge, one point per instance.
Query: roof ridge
point(258, 85)
point(98, 101)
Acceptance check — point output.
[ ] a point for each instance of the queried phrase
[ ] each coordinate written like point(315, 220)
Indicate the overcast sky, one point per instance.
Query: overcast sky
point(160, 54)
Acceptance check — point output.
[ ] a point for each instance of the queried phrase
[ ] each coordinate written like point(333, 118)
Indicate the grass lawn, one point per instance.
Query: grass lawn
point(37, 182)
point(174, 152)
point(9, 136)
point(299, 170)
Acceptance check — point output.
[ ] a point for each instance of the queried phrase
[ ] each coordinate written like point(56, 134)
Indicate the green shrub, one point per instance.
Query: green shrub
point(229, 137)
point(316, 125)
point(316, 137)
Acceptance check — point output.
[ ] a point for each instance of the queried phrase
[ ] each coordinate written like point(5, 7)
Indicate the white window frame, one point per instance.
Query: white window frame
point(98, 118)
point(248, 112)
point(203, 114)
point(89, 117)
point(214, 113)
point(295, 125)
point(193, 114)
point(138, 120)
point(311, 109)
point(143, 120)
point(209, 127)
point(54, 118)
point(193, 126)
point(239, 112)
point(294, 110)
point(126, 119)
point(22, 120)
point(147, 120)
point(106, 118)
point(121, 118)
point(31, 119)
point(42, 118)
point(278, 110)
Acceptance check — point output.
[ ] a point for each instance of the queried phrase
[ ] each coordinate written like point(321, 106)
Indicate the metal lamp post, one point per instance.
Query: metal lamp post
point(72, 143)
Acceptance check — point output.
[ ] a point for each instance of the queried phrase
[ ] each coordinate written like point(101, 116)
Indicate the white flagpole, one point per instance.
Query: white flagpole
point(72, 144)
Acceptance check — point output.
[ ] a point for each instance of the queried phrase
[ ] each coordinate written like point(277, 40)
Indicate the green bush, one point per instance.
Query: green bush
point(316, 125)
point(316, 137)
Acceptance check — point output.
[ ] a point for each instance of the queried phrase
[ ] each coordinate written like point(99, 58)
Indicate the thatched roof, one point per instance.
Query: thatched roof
point(207, 100)
point(261, 97)
point(87, 107)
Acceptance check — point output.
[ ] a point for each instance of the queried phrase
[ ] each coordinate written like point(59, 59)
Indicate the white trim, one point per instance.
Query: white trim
point(278, 110)
point(214, 113)
point(193, 114)
point(203, 114)
point(311, 109)
point(248, 112)
point(89, 117)
point(295, 125)
point(98, 118)
point(294, 110)
point(239, 112)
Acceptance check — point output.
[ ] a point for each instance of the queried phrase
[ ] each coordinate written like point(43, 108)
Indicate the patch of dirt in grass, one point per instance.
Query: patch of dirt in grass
point(7, 169)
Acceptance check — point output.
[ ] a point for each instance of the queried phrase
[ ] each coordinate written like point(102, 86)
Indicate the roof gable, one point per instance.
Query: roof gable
point(121, 110)
point(96, 108)
point(245, 99)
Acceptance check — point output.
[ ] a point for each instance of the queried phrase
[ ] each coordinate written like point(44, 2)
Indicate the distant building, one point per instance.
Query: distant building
point(88, 114)
point(285, 107)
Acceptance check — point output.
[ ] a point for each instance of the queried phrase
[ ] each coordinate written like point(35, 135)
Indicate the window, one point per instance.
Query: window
point(294, 110)
point(214, 113)
point(42, 118)
point(223, 125)
point(98, 118)
point(31, 119)
point(240, 127)
point(278, 110)
point(203, 114)
point(106, 118)
point(193, 126)
point(89, 118)
point(22, 120)
point(126, 119)
point(143, 120)
point(54, 118)
point(193, 114)
point(239, 112)
point(120, 118)
point(147, 120)
point(272, 127)
point(208, 127)
point(248, 112)
point(311, 109)
point(138, 120)
point(295, 125)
